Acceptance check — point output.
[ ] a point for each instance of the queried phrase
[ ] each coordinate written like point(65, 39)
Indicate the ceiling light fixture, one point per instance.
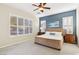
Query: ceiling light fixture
point(41, 7)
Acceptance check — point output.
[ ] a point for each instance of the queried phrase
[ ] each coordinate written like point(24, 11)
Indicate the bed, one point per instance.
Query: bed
point(52, 38)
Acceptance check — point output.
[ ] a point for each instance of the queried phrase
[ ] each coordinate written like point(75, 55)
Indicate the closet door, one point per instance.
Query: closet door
point(67, 23)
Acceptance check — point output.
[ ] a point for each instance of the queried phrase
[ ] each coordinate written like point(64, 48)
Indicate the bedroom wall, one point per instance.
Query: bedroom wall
point(5, 38)
point(58, 17)
point(77, 23)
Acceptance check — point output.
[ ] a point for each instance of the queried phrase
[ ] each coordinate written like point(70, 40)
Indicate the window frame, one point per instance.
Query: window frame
point(19, 26)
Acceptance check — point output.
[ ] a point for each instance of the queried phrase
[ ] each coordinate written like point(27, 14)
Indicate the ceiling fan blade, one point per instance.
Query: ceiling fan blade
point(46, 7)
point(34, 5)
point(41, 4)
point(35, 9)
point(44, 4)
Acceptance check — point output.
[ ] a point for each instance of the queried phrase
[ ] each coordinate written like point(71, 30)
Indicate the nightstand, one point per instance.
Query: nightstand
point(69, 38)
point(40, 33)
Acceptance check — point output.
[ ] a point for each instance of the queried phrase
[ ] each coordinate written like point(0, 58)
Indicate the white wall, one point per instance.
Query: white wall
point(5, 39)
point(77, 23)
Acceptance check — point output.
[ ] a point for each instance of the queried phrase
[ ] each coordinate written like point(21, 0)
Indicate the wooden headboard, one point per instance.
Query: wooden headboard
point(56, 30)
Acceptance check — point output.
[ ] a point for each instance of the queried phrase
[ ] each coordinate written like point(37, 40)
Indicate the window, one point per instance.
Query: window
point(13, 20)
point(43, 26)
point(13, 30)
point(28, 26)
point(20, 21)
point(30, 29)
point(20, 30)
point(26, 30)
point(20, 26)
point(26, 22)
point(68, 24)
point(13, 25)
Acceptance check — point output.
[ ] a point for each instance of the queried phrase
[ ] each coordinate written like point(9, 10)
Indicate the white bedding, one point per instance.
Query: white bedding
point(53, 37)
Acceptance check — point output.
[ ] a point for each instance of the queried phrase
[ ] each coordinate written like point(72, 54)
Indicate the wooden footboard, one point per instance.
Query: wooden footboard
point(49, 42)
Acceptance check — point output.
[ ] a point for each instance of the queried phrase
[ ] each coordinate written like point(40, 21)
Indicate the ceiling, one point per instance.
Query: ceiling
point(55, 8)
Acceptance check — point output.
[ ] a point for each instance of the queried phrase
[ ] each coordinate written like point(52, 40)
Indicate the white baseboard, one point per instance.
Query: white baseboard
point(13, 43)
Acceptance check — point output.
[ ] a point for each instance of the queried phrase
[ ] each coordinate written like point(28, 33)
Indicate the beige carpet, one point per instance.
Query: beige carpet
point(29, 48)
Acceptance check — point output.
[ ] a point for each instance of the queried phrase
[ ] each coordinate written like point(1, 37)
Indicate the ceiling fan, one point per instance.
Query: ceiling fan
point(41, 7)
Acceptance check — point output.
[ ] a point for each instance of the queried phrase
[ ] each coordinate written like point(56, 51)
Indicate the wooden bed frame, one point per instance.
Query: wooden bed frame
point(57, 44)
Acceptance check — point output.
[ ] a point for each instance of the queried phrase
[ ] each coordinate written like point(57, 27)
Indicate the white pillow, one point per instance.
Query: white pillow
point(47, 33)
point(56, 33)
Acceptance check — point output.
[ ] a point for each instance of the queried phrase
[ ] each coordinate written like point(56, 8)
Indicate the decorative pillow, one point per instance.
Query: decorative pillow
point(52, 34)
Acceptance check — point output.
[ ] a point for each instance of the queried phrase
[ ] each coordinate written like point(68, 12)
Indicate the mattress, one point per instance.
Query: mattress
point(52, 37)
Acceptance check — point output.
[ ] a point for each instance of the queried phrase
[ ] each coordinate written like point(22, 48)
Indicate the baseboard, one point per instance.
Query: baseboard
point(7, 45)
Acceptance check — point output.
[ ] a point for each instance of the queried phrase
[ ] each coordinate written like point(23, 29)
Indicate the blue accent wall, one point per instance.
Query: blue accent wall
point(58, 17)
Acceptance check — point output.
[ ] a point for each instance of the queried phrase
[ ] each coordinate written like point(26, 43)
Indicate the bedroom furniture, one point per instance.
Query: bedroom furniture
point(40, 33)
point(50, 40)
point(57, 44)
point(69, 38)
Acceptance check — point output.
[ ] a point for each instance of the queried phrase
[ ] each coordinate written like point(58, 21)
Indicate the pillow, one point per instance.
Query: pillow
point(58, 33)
point(52, 34)
point(47, 32)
